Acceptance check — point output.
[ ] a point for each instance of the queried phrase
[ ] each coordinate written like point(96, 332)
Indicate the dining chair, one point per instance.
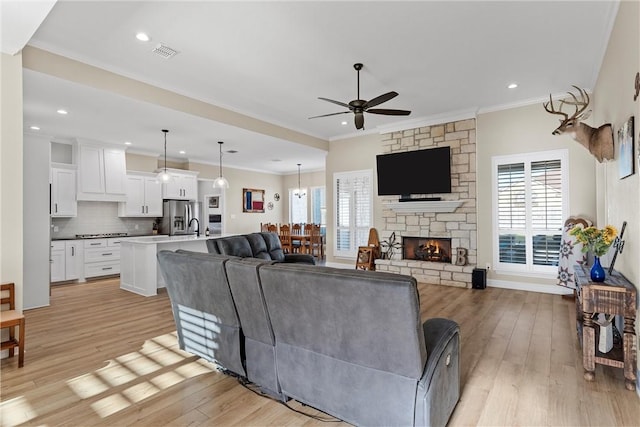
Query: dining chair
point(285, 238)
point(316, 241)
point(296, 244)
point(272, 228)
point(9, 319)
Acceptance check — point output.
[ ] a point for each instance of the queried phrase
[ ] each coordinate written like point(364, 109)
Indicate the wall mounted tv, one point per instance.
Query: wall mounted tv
point(414, 172)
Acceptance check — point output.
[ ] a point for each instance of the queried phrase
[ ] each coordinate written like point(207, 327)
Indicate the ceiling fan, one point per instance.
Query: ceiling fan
point(359, 106)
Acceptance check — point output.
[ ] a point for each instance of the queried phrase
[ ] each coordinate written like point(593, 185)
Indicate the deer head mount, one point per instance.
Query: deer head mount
point(598, 141)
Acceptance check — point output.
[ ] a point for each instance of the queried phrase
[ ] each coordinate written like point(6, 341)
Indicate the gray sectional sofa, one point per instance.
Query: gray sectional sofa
point(263, 245)
point(349, 343)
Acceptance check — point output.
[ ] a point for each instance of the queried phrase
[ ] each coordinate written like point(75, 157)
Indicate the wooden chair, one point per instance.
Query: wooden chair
point(296, 244)
point(285, 238)
point(316, 243)
point(10, 319)
point(367, 255)
point(264, 227)
point(272, 228)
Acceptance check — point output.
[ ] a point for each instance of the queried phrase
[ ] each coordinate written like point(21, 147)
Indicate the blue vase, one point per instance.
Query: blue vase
point(597, 272)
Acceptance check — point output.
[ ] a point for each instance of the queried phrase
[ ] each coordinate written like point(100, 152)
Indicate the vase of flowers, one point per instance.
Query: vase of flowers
point(597, 241)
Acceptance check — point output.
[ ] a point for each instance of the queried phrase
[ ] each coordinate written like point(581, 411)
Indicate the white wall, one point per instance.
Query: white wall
point(11, 181)
point(36, 222)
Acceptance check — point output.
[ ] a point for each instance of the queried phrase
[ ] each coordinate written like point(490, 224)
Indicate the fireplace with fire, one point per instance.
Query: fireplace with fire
point(426, 249)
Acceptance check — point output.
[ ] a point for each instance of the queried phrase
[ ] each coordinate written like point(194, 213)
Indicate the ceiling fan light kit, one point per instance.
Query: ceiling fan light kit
point(359, 106)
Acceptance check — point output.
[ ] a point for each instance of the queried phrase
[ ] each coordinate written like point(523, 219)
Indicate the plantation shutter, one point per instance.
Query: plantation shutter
point(353, 211)
point(530, 206)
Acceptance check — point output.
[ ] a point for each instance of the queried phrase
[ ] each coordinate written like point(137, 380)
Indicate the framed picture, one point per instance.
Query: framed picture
point(252, 200)
point(625, 150)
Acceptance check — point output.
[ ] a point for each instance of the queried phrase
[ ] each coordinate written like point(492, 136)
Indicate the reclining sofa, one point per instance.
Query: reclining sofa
point(263, 245)
point(347, 342)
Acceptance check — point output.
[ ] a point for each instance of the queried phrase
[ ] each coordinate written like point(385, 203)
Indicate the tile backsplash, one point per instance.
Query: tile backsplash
point(99, 217)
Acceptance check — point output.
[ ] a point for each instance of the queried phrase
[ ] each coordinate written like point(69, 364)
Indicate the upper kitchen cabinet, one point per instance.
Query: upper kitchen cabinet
point(183, 185)
point(144, 196)
point(63, 192)
point(102, 173)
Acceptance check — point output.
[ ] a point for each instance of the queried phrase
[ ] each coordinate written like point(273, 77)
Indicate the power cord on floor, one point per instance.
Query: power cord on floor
point(255, 389)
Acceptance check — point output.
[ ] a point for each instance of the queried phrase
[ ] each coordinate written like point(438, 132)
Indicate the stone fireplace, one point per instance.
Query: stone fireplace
point(434, 249)
point(453, 218)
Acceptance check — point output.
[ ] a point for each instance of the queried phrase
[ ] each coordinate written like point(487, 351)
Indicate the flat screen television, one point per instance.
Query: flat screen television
point(414, 172)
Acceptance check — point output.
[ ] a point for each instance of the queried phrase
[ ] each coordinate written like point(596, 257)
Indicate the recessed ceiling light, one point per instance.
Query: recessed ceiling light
point(276, 160)
point(127, 143)
point(513, 86)
point(232, 151)
point(343, 123)
point(182, 151)
point(143, 37)
point(63, 112)
point(34, 128)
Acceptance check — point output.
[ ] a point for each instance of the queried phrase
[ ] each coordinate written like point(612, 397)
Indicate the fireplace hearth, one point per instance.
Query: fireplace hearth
point(433, 249)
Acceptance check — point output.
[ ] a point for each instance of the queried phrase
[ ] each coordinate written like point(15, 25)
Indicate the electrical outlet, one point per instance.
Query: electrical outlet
point(55, 229)
point(136, 227)
point(488, 266)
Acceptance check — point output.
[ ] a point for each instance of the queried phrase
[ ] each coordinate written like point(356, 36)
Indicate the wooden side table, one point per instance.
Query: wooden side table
point(616, 295)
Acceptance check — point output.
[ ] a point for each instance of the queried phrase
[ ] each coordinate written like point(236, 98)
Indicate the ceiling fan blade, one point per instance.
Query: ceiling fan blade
point(342, 104)
point(359, 120)
point(388, 112)
point(331, 114)
point(380, 99)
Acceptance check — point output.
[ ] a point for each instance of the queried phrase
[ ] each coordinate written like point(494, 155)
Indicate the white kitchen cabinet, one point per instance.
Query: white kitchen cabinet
point(102, 173)
point(57, 262)
point(63, 193)
point(144, 197)
point(73, 259)
point(183, 185)
point(101, 257)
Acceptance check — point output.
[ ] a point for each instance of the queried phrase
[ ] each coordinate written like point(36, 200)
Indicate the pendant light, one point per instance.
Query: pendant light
point(164, 176)
point(298, 191)
point(220, 182)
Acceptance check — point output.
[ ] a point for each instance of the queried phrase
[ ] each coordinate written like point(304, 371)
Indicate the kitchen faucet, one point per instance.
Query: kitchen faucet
point(197, 222)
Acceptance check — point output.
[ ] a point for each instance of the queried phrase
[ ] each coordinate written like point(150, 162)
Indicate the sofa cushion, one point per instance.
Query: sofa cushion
point(274, 247)
point(258, 246)
point(236, 246)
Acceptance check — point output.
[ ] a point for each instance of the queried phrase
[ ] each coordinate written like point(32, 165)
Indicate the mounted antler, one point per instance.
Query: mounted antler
point(598, 141)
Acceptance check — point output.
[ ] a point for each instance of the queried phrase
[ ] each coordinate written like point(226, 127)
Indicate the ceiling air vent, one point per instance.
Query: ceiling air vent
point(164, 51)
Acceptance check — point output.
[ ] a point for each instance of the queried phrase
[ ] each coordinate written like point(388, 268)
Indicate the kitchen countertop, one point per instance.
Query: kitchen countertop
point(112, 237)
point(168, 239)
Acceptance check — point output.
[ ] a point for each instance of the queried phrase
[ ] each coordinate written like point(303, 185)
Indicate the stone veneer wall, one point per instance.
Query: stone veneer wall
point(460, 225)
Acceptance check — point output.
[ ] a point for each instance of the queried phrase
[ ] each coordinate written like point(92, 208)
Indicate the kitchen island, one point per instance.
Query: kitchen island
point(139, 269)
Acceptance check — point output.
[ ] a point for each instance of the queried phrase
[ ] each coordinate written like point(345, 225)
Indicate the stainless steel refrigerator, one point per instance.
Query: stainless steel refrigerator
point(177, 217)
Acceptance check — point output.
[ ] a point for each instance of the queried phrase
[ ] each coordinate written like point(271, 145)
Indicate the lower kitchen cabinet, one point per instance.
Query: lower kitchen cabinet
point(101, 257)
point(66, 260)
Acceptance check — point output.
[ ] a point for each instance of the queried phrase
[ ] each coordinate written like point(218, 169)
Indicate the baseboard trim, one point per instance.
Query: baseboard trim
point(531, 287)
point(341, 265)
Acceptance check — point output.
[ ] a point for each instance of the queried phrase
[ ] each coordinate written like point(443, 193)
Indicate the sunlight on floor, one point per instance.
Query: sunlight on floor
point(124, 381)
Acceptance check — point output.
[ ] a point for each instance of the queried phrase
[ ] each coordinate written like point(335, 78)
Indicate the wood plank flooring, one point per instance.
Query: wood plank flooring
point(102, 356)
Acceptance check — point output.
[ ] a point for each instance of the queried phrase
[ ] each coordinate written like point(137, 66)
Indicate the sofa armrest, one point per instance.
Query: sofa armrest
point(439, 388)
point(303, 258)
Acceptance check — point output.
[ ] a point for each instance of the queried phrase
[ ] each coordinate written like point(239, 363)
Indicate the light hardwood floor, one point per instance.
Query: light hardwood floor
point(102, 356)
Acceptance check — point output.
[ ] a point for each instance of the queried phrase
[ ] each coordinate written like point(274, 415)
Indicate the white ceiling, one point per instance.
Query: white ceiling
point(272, 60)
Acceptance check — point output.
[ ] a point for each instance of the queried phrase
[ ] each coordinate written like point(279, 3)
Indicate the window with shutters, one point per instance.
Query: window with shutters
point(530, 203)
point(297, 207)
point(353, 201)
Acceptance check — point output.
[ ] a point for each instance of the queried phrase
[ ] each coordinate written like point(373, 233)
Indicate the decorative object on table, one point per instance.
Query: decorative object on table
point(276, 197)
point(570, 253)
point(605, 343)
point(299, 192)
point(625, 151)
point(164, 176)
point(597, 241)
point(598, 141)
point(618, 243)
point(461, 256)
point(270, 205)
point(220, 181)
point(359, 106)
point(252, 200)
point(389, 246)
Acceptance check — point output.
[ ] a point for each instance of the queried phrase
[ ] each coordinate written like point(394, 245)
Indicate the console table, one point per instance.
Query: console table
point(617, 296)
